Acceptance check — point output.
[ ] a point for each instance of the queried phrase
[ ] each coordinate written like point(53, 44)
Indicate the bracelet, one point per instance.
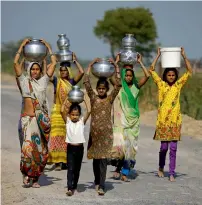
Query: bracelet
point(18, 53)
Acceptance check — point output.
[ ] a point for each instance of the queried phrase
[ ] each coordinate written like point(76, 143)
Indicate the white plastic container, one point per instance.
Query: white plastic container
point(171, 57)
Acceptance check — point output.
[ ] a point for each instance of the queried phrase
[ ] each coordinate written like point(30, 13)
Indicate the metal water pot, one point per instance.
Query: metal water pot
point(35, 50)
point(63, 42)
point(76, 95)
point(128, 55)
point(63, 55)
point(129, 41)
point(103, 68)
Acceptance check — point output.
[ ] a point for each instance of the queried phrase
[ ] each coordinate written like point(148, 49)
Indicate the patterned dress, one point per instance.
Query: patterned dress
point(169, 120)
point(101, 135)
point(34, 129)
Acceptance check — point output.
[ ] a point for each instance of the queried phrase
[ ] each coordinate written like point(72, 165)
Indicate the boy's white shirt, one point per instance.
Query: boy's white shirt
point(75, 131)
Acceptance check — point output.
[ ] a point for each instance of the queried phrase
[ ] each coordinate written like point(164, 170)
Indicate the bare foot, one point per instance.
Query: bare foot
point(125, 179)
point(160, 173)
point(26, 182)
point(96, 187)
point(36, 185)
point(116, 175)
point(69, 193)
point(172, 178)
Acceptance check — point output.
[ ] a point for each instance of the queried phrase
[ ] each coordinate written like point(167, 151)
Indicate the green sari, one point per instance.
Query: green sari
point(126, 116)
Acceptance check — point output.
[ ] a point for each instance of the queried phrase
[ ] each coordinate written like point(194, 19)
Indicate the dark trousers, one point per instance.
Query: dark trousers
point(100, 171)
point(119, 165)
point(74, 161)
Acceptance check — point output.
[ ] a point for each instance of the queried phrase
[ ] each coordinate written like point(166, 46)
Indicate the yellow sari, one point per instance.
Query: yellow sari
point(57, 144)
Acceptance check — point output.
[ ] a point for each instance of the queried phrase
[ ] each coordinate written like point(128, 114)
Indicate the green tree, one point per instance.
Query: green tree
point(138, 21)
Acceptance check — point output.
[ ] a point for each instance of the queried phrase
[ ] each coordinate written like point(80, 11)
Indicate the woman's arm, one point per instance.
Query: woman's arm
point(187, 63)
point(152, 67)
point(88, 112)
point(183, 79)
point(65, 109)
point(52, 65)
point(117, 82)
point(113, 78)
point(78, 77)
point(17, 65)
point(44, 67)
point(159, 82)
point(144, 79)
point(86, 82)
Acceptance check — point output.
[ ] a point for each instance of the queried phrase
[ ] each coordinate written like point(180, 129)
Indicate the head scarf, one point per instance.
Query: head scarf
point(126, 94)
point(69, 71)
point(38, 89)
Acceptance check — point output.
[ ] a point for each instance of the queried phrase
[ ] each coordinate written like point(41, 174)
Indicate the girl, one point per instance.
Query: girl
point(62, 86)
point(101, 135)
point(126, 117)
point(168, 125)
point(35, 122)
point(75, 139)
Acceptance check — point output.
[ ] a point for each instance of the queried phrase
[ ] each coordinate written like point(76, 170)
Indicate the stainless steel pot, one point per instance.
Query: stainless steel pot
point(64, 55)
point(128, 55)
point(63, 42)
point(129, 41)
point(35, 50)
point(103, 68)
point(76, 95)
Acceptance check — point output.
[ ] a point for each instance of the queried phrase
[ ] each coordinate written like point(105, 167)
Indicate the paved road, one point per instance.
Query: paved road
point(146, 189)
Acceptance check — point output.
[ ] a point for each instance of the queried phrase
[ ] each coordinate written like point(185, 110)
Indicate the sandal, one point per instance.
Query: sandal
point(26, 182)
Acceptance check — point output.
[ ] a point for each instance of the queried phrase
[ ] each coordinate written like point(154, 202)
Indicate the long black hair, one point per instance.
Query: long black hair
point(170, 69)
point(104, 81)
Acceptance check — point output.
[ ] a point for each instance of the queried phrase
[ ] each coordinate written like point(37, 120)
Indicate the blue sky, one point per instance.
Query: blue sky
point(178, 23)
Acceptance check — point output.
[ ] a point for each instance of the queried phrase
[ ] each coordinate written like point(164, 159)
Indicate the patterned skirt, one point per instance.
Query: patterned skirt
point(34, 152)
point(57, 144)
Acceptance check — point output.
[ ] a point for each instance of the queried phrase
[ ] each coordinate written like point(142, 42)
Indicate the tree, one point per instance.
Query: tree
point(138, 21)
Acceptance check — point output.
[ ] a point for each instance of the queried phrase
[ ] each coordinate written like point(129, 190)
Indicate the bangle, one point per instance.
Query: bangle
point(18, 53)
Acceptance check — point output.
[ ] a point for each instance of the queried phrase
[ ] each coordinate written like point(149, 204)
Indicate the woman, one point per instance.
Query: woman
point(20, 133)
point(62, 86)
point(126, 117)
point(169, 120)
point(35, 122)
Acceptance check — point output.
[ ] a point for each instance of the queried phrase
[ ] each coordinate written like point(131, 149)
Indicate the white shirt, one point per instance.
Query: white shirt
point(75, 131)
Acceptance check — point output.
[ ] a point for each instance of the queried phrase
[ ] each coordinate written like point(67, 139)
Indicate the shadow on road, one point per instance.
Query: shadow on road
point(44, 180)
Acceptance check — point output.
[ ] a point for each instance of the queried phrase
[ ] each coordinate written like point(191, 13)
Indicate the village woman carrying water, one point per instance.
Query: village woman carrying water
point(35, 122)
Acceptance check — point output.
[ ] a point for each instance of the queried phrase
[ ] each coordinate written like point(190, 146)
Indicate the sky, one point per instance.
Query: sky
point(178, 23)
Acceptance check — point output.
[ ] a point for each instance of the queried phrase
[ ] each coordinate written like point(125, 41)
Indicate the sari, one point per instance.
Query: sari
point(126, 121)
point(57, 144)
point(34, 129)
